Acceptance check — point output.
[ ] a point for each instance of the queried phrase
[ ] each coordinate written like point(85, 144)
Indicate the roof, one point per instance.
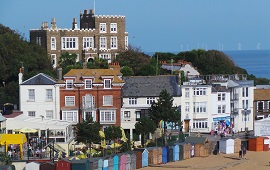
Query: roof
point(14, 114)
point(147, 86)
point(96, 73)
point(261, 94)
point(2, 118)
point(80, 161)
point(232, 84)
point(220, 89)
point(39, 79)
point(245, 82)
point(196, 140)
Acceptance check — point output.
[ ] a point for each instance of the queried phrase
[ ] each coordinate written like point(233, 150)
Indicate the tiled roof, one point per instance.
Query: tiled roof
point(220, 89)
point(97, 73)
point(150, 86)
point(14, 114)
point(39, 79)
point(261, 94)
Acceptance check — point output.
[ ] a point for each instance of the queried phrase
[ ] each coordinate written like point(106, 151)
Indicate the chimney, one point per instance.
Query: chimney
point(60, 73)
point(114, 66)
point(20, 76)
point(74, 24)
point(53, 24)
point(91, 11)
point(85, 11)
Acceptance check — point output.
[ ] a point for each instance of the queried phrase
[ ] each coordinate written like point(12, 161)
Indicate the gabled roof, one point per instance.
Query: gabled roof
point(261, 94)
point(97, 73)
point(196, 140)
point(81, 161)
point(150, 86)
point(39, 79)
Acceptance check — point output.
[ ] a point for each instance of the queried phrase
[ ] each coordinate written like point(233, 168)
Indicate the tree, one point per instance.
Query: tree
point(112, 133)
point(87, 132)
point(127, 71)
point(98, 63)
point(67, 61)
point(145, 126)
point(163, 110)
point(5, 159)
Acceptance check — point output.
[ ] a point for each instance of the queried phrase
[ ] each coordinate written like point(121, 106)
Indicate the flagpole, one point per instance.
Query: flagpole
point(94, 6)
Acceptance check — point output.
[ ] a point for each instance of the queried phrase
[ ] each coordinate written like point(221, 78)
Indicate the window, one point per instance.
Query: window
point(187, 106)
point(53, 43)
point(54, 61)
point(107, 84)
point(113, 42)
point(102, 28)
point(245, 117)
point(126, 114)
point(150, 100)
point(38, 40)
point(138, 115)
point(102, 43)
point(113, 27)
point(49, 95)
point(106, 57)
point(69, 101)
point(31, 94)
point(87, 113)
point(186, 92)
point(32, 113)
point(107, 100)
point(88, 101)
point(244, 104)
point(221, 96)
point(71, 116)
point(126, 42)
point(219, 108)
point(132, 101)
point(244, 91)
point(200, 124)
point(199, 107)
point(223, 108)
point(88, 84)
point(107, 116)
point(49, 114)
point(69, 84)
point(88, 42)
point(199, 92)
point(260, 106)
point(69, 43)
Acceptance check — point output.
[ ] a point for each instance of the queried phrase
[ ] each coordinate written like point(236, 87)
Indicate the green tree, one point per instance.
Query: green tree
point(98, 63)
point(67, 62)
point(5, 159)
point(127, 71)
point(112, 133)
point(145, 126)
point(87, 132)
point(163, 110)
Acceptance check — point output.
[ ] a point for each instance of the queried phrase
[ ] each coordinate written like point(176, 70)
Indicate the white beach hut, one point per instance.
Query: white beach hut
point(226, 145)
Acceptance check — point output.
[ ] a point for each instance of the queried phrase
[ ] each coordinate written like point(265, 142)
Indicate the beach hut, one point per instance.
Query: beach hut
point(113, 162)
point(138, 159)
point(184, 150)
point(170, 154)
point(144, 157)
point(100, 163)
point(47, 166)
point(7, 167)
point(154, 155)
point(94, 163)
point(265, 144)
point(159, 155)
point(32, 166)
point(82, 164)
point(105, 163)
point(133, 158)
point(255, 143)
point(226, 145)
point(122, 161)
point(201, 145)
point(128, 161)
point(63, 164)
point(175, 155)
point(164, 155)
point(237, 145)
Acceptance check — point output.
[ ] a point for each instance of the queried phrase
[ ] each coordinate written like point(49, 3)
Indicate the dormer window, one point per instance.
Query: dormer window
point(107, 84)
point(69, 84)
point(88, 84)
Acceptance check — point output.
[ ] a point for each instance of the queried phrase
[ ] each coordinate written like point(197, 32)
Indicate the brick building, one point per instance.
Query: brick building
point(101, 36)
point(95, 92)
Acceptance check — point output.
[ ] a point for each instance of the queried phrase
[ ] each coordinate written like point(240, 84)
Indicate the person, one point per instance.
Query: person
point(240, 153)
point(244, 152)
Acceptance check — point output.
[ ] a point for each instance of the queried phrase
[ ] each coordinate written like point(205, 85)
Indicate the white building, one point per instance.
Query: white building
point(196, 107)
point(138, 94)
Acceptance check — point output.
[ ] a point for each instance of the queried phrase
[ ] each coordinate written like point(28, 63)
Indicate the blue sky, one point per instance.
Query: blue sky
point(158, 25)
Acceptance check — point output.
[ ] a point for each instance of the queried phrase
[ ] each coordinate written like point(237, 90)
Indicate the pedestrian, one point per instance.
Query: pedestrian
point(240, 153)
point(244, 152)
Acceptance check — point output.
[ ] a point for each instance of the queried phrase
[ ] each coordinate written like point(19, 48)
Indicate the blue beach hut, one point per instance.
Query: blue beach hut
point(164, 155)
point(175, 152)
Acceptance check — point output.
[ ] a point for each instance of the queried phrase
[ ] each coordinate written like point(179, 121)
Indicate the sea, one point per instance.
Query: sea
point(256, 62)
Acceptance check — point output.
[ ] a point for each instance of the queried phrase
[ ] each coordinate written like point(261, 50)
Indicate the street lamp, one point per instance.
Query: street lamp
point(245, 112)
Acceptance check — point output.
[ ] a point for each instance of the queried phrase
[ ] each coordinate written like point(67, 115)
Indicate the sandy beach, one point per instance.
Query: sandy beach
point(255, 160)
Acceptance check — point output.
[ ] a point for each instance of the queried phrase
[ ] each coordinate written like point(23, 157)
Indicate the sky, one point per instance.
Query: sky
point(158, 25)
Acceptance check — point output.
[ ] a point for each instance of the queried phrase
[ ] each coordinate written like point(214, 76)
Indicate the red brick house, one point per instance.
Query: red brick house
point(95, 92)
